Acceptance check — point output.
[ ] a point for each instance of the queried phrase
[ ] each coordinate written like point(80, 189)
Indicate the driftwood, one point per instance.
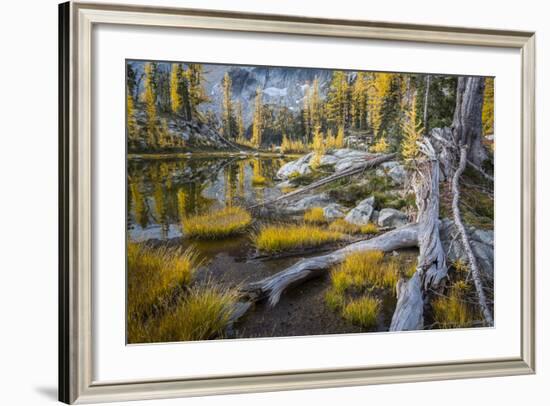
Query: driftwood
point(272, 287)
point(474, 269)
point(371, 163)
point(431, 268)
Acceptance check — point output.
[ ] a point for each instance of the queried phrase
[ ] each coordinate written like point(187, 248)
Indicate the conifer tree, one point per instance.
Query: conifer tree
point(412, 130)
point(228, 118)
point(359, 101)
point(315, 105)
point(150, 99)
point(175, 88)
point(132, 126)
point(488, 112)
point(306, 118)
point(340, 138)
point(239, 122)
point(258, 122)
point(197, 94)
point(318, 148)
point(377, 88)
point(338, 101)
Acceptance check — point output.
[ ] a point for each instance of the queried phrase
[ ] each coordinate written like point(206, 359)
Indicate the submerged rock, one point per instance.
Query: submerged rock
point(362, 213)
point(392, 218)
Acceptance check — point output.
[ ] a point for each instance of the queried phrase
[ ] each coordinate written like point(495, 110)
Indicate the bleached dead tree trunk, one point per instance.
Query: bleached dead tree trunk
point(474, 269)
point(431, 268)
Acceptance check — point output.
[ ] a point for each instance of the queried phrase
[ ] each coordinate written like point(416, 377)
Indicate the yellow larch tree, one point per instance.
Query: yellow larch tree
point(488, 112)
point(412, 133)
point(150, 99)
point(257, 124)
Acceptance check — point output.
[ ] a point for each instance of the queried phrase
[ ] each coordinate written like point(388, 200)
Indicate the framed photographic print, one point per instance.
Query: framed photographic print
point(265, 202)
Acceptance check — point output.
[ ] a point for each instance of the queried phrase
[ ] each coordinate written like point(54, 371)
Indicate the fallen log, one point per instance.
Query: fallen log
point(371, 163)
point(272, 287)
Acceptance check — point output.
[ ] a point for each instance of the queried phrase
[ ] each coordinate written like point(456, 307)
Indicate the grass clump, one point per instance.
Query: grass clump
point(276, 238)
point(155, 274)
point(202, 314)
point(342, 226)
point(453, 311)
point(315, 215)
point(363, 311)
point(367, 269)
point(218, 224)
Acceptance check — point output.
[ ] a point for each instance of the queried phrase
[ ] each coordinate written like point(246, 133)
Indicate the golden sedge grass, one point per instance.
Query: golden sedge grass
point(342, 226)
point(281, 237)
point(202, 314)
point(361, 269)
point(217, 224)
point(453, 311)
point(363, 311)
point(315, 215)
point(155, 273)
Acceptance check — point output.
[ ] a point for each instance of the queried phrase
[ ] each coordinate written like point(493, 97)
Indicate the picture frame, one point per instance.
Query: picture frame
point(76, 214)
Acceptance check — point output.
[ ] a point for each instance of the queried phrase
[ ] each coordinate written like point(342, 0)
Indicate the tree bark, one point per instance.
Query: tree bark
point(466, 126)
point(431, 268)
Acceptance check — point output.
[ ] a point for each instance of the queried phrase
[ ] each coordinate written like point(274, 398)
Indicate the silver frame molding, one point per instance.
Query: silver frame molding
point(76, 21)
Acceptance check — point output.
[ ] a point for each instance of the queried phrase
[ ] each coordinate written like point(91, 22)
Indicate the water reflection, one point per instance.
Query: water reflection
point(161, 192)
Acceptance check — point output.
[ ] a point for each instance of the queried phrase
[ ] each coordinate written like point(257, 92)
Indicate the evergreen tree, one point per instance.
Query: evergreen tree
point(258, 121)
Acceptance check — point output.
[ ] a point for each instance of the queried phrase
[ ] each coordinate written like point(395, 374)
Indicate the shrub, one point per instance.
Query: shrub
point(202, 314)
point(315, 215)
point(155, 274)
point(342, 226)
point(281, 237)
point(218, 224)
point(363, 311)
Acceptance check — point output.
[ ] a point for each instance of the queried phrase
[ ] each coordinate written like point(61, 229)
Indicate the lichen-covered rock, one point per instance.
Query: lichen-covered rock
point(320, 200)
point(482, 242)
point(394, 170)
point(300, 166)
point(342, 159)
point(392, 218)
point(362, 213)
point(333, 211)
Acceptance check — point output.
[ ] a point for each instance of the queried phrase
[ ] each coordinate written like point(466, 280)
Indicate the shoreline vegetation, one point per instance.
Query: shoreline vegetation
point(232, 205)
